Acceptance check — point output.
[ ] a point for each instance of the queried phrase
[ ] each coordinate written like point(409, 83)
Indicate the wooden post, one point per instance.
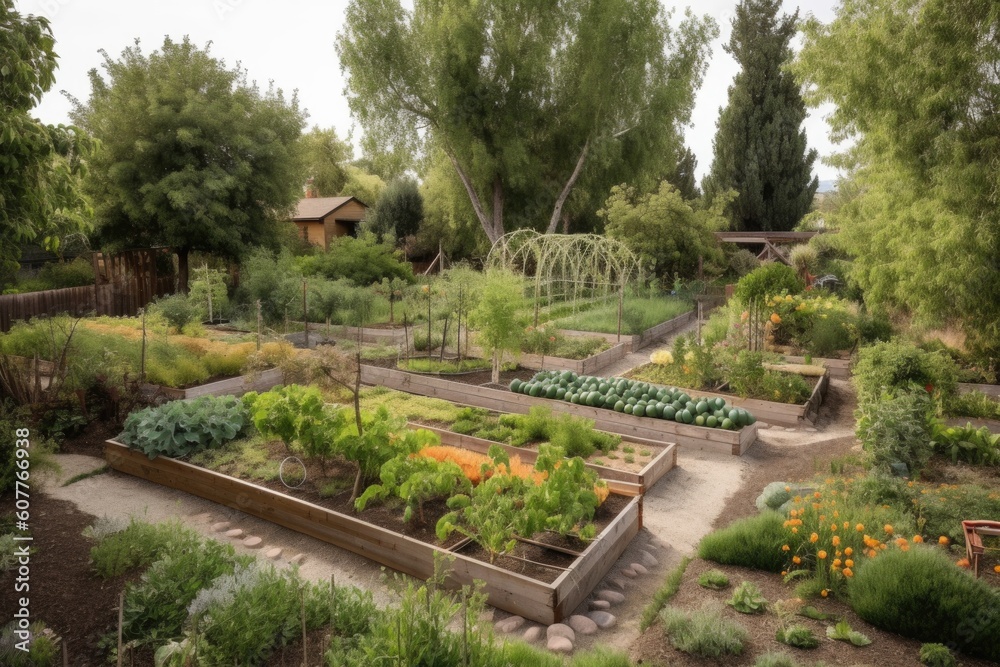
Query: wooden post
point(700, 342)
point(142, 360)
point(121, 616)
point(305, 311)
point(621, 304)
point(305, 642)
point(260, 324)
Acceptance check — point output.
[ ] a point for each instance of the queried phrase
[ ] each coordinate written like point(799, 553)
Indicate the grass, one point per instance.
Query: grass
point(704, 633)
point(424, 365)
point(408, 406)
point(246, 458)
point(751, 542)
point(85, 475)
point(137, 545)
point(663, 594)
point(638, 314)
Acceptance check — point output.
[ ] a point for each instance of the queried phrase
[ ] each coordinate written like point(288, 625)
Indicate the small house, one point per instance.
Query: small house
point(320, 219)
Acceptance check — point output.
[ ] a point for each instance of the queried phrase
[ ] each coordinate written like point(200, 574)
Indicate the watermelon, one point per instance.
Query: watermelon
point(711, 422)
point(669, 412)
point(627, 410)
point(515, 385)
point(619, 406)
point(727, 424)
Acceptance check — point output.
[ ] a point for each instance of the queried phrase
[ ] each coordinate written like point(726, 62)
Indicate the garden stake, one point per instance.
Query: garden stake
point(302, 600)
point(65, 653)
point(333, 598)
point(121, 612)
point(142, 359)
point(621, 303)
point(444, 338)
point(406, 337)
point(260, 324)
point(305, 312)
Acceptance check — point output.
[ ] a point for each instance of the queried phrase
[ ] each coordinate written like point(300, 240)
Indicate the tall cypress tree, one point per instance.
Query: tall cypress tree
point(760, 150)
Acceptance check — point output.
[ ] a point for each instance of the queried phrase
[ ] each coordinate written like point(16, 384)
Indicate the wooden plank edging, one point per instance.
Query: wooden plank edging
point(839, 369)
point(988, 389)
point(539, 601)
point(236, 386)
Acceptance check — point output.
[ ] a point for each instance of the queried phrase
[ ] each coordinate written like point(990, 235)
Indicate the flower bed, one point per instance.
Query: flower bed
point(545, 602)
point(630, 426)
point(638, 341)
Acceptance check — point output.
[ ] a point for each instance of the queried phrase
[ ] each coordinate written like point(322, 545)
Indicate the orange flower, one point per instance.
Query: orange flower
point(901, 542)
point(848, 551)
point(785, 547)
point(860, 528)
point(848, 572)
point(817, 494)
point(796, 560)
point(918, 539)
point(837, 562)
point(847, 524)
point(775, 318)
point(996, 568)
point(821, 554)
point(888, 529)
point(849, 563)
point(787, 489)
point(814, 538)
point(833, 527)
point(963, 562)
point(795, 530)
point(824, 592)
point(943, 540)
point(784, 572)
point(836, 540)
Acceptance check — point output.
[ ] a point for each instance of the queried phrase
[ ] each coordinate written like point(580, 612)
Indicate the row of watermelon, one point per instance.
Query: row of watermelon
point(634, 397)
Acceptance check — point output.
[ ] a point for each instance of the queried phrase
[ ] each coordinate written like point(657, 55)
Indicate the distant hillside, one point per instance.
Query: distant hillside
point(827, 186)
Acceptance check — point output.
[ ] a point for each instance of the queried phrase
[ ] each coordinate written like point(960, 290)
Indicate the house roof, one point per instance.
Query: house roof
point(317, 208)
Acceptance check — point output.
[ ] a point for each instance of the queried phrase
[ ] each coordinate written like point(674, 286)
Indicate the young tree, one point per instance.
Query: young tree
point(39, 164)
point(497, 317)
point(398, 211)
point(915, 85)
point(193, 155)
point(760, 150)
point(585, 77)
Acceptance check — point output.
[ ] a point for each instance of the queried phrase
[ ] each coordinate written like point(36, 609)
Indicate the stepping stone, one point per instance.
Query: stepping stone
point(812, 430)
point(273, 553)
point(297, 559)
point(649, 559)
point(613, 597)
point(629, 572)
point(221, 526)
point(600, 605)
point(560, 645)
point(638, 568)
point(617, 583)
point(582, 624)
point(791, 429)
point(603, 619)
point(533, 634)
point(509, 625)
point(253, 542)
point(204, 517)
point(234, 533)
point(560, 630)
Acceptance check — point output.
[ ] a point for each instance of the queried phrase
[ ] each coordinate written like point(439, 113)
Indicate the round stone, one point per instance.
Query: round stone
point(297, 559)
point(629, 572)
point(221, 526)
point(560, 630)
point(617, 583)
point(582, 624)
point(234, 533)
point(602, 605)
point(613, 597)
point(560, 645)
point(533, 634)
point(648, 559)
point(273, 553)
point(509, 625)
point(603, 619)
point(639, 568)
point(253, 542)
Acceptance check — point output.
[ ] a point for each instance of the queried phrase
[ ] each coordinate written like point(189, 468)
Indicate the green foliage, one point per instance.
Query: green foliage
point(705, 633)
point(181, 428)
point(398, 211)
point(667, 590)
point(747, 599)
point(667, 232)
point(769, 280)
point(937, 655)
point(299, 417)
point(176, 309)
point(714, 579)
point(41, 648)
point(638, 314)
point(209, 294)
point(409, 406)
point(498, 317)
point(57, 275)
point(137, 545)
point(575, 436)
point(921, 594)
point(842, 632)
point(557, 79)
point(425, 365)
point(416, 480)
point(895, 365)
point(742, 262)
point(40, 164)
point(763, 156)
point(751, 542)
point(326, 157)
point(797, 635)
point(775, 660)
point(42, 450)
point(974, 404)
point(978, 446)
point(565, 502)
point(897, 429)
point(925, 219)
point(360, 261)
point(275, 281)
point(748, 378)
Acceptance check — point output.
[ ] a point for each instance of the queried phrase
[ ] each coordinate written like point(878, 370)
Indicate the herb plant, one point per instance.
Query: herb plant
point(416, 480)
point(714, 579)
point(843, 632)
point(182, 428)
point(747, 599)
point(799, 636)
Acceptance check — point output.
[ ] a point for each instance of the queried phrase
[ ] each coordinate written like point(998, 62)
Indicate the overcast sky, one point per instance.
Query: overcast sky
point(291, 43)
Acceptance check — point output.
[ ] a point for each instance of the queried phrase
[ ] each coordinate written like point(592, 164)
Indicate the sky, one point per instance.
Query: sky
point(292, 44)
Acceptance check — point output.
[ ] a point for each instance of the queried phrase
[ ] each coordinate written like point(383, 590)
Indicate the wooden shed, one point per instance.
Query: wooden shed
point(320, 219)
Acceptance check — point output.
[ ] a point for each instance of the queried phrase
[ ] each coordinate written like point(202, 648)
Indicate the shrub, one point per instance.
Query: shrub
point(182, 428)
point(358, 260)
point(967, 443)
point(799, 636)
point(41, 650)
point(137, 545)
point(921, 594)
point(714, 579)
point(768, 280)
point(743, 262)
point(937, 655)
point(751, 542)
point(77, 273)
point(874, 327)
point(704, 632)
point(747, 599)
point(829, 334)
point(893, 366)
point(897, 430)
point(973, 404)
point(176, 309)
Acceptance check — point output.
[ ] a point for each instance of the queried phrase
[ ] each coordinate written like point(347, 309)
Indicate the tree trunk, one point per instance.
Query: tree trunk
point(557, 211)
point(477, 204)
point(182, 270)
point(498, 199)
point(496, 367)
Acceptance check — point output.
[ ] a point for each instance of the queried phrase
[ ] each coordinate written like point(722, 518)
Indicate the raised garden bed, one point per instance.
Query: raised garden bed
point(630, 426)
point(622, 482)
point(839, 369)
point(988, 389)
point(636, 342)
point(541, 601)
point(236, 386)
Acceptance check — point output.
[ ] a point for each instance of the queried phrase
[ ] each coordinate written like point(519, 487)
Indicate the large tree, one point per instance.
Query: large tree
point(327, 158)
point(39, 164)
point(916, 87)
point(193, 155)
point(522, 94)
point(760, 149)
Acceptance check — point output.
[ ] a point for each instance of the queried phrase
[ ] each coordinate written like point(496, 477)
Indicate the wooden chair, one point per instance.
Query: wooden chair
point(974, 531)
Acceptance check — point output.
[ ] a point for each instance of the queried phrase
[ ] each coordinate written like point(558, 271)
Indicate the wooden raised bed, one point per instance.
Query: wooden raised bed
point(589, 366)
point(772, 412)
point(839, 369)
point(988, 389)
point(630, 426)
point(236, 386)
point(634, 343)
point(622, 482)
point(543, 602)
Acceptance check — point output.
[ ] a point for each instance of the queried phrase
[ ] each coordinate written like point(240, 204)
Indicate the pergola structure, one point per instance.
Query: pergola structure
point(770, 241)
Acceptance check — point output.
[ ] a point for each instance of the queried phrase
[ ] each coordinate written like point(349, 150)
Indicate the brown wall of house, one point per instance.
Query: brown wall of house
point(315, 231)
point(334, 224)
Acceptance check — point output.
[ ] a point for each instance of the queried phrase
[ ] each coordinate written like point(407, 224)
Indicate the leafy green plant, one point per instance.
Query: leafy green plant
point(937, 655)
point(897, 429)
point(181, 428)
point(497, 317)
point(921, 594)
point(638, 314)
point(768, 280)
point(967, 443)
point(772, 659)
point(973, 404)
point(136, 545)
point(358, 260)
point(714, 579)
point(815, 614)
point(176, 309)
point(300, 417)
point(842, 632)
point(797, 635)
point(422, 365)
point(704, 632)
point(565, 501)
point(669, 589)
point(897, 366)
point(751, 542)
point(416, 480)
point(41, 648)
point(747, 599)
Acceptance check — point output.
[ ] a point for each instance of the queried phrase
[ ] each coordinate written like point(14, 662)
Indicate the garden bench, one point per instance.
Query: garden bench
point(974, 548)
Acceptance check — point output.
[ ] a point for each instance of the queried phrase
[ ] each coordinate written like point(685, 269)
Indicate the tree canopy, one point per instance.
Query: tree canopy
point(326, 157)
point(759, 149)
point(398, 211)
point(39, 164)
point(194, 156)
point(523, 96)
point(915, 84)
